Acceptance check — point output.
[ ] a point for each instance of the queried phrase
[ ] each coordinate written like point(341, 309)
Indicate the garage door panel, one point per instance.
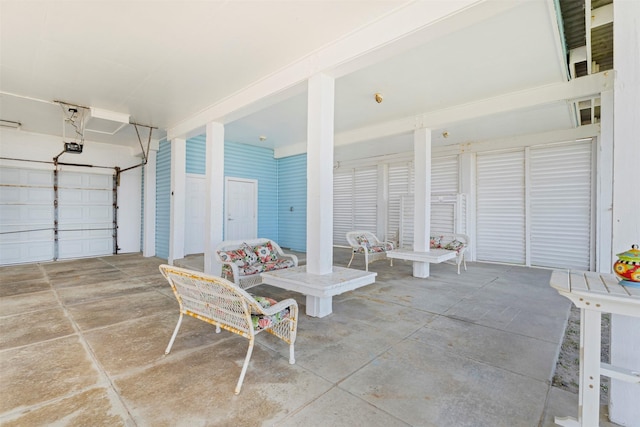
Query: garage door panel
point(84, 215)
point(22, 194)
point(84, 180)
point(29, 216)
point(84, 196)
point(78, 248)
point(18, 252)
point(26, 177)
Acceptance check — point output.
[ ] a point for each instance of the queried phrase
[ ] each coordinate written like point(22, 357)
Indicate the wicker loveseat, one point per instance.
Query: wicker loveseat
point(244, 260)
point(457, 242)
point(365, 242)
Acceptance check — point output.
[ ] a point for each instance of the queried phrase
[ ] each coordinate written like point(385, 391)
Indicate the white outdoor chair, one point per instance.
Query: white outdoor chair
point(221, 303)
point(365, 242)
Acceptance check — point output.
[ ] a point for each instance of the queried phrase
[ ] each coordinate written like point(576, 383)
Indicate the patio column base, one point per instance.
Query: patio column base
point(318, 306)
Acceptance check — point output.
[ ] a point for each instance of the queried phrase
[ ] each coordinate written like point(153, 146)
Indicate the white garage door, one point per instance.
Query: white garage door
point(85, 215)
point(26, 213)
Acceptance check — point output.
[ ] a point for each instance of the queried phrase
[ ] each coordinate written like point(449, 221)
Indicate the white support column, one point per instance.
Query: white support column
point(178, 199)
point(214, 194)
point(625, 331)
point(604, 185)
point(320, 174)
point(422, 191)
point(149, 231)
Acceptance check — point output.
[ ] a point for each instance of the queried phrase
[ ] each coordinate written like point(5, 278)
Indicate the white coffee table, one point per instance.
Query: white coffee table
point(319, 288)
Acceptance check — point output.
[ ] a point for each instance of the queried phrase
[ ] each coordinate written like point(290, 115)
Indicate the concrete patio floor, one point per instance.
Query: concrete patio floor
point(83, 344)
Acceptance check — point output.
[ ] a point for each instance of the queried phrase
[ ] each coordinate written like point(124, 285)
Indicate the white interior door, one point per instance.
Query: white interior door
point(194, 216)
point(241, 209)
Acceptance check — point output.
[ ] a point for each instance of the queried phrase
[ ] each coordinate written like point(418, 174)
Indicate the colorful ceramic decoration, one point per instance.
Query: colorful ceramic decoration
point(627, 268)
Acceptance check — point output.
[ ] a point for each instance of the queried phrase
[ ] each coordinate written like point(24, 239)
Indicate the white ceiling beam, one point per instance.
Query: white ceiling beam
point(587, 22)
point(406, 27)
point(580, 88)
point(602, 16)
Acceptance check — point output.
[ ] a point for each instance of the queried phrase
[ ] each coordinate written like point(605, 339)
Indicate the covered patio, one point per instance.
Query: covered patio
point(83, 344)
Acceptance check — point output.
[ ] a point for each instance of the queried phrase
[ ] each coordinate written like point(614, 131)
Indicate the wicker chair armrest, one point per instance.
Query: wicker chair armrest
point(281, 305)
point(234, 269)
point(292, 257)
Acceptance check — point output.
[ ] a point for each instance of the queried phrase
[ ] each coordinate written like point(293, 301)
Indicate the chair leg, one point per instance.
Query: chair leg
point(245, 366)
point(352, 255)
point(464, 261)
point(292, 358)
point(175, 333)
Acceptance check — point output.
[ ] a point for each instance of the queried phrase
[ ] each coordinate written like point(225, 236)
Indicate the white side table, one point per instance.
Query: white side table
point(594, 294)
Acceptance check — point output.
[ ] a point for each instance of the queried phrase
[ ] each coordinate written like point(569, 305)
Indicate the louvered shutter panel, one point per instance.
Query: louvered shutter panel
point(501, 207)
point(444, 187)
point(365, 194)
point(400, 184)
point(342, 205)
point(560, 206)
point(407, 210)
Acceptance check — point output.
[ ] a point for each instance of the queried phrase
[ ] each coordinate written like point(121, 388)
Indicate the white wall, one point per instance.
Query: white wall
point(43, 148)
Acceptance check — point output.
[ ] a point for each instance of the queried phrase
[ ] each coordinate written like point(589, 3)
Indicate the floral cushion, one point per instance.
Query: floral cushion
point(241, 257)
point(435, 242)
point(362, 239)
point(454, 245)
point(266, 252)
point(261, 321)
point(375, 248)
point(278, 264)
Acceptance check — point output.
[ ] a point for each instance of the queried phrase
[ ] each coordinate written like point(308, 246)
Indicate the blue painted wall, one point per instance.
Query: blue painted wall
point(163, 199)
point(249, 162)
point(196, 155)
point(282, 184)
point(292, 202)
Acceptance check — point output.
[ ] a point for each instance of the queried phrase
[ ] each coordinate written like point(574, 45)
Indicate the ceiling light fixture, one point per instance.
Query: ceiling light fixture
point(445, 134)
point(378, 97)
point(262, 138)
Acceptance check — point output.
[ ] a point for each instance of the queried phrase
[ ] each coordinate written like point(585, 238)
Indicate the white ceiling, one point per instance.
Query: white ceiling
point(164, 62)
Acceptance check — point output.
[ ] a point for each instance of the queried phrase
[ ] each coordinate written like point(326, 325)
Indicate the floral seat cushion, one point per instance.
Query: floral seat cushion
point(261, 321)
point(375, 248)
point(278, 264)
point(435, 242)
point(371, 248)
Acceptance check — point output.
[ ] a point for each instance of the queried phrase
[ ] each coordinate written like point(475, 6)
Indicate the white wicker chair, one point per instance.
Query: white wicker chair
point(365, 242)
point(223, 304)
point(457, 242)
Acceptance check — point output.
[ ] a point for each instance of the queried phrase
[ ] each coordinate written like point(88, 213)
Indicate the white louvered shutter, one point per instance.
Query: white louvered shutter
point(444, 188)
point(355, 202)
point(365, 196)
point(501, 207)
point(560, 205)
point(400, 184)
point(342, 205)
